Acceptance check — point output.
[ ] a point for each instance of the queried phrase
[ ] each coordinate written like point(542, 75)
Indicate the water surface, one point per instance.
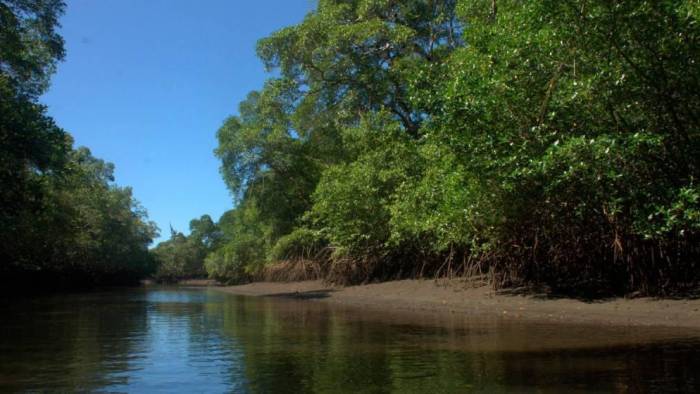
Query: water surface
point(191, 340)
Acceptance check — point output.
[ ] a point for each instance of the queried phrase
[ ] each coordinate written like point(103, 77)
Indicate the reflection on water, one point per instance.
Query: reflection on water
point(180, 340)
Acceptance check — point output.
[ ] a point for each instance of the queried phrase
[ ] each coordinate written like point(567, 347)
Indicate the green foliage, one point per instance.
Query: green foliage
point(548, 142)
point(345, 59)
point(582, 116)
point(178, 258)
point(225, 266)
point(351, 201)
point(439, 207)
point(356, 56)
point(84, 230)
point(246, 240)
point(63, 222)
point(29, 43)
point(109, 231)
point(182, 257)
point(264, 158)
point(205, 232)
point(300, 244)
point(32, 148)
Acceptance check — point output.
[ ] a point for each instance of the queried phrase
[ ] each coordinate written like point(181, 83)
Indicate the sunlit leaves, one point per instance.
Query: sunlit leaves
point(558, 139)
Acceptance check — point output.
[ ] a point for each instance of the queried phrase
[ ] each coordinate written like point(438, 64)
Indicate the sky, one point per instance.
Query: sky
point(147, 83)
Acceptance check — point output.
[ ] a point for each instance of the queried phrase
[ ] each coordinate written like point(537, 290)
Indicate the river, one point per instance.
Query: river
point(178, 340)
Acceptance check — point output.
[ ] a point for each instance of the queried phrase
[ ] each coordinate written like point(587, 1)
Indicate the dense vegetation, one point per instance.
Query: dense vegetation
point(63, 221)
point(182, 257)
point(538, 142)
point(550, 143)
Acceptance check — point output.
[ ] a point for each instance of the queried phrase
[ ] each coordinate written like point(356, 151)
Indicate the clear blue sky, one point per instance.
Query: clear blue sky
point(146, 84)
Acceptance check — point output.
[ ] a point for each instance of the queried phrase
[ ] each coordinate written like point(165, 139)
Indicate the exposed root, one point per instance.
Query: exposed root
point(292, 270)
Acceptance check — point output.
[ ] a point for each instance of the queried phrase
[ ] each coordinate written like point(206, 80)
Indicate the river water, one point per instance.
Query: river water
point(196, 340)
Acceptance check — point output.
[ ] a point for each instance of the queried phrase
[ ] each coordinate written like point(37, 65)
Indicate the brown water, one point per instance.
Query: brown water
point(186, 341)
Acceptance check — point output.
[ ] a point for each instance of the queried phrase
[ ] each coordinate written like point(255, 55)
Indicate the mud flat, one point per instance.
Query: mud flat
point(452, 296)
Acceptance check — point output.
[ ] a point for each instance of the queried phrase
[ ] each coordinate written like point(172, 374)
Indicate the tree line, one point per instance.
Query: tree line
point(546, 143)
point(63, 221)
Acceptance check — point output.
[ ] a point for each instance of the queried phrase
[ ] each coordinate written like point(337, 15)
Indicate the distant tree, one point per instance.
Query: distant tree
point(206, 232)
point(182, 257)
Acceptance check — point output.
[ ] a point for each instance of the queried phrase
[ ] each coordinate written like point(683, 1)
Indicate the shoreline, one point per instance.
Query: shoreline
point(452, 297)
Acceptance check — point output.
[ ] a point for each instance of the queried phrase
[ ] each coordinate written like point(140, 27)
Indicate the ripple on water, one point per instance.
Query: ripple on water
point(178, 340)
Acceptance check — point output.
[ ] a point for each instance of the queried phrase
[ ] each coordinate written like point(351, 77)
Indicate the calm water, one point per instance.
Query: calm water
point(187, 341)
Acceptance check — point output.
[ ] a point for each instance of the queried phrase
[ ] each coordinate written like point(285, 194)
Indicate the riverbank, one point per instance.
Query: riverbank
point(185, 283)
point(454, 297)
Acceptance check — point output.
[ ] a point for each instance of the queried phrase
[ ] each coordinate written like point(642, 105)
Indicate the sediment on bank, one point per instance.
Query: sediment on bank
point(454, 296)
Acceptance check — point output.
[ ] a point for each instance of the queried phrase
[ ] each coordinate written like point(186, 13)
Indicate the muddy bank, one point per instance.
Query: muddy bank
point(454, 297)
point(198, 282)
point(184, 283)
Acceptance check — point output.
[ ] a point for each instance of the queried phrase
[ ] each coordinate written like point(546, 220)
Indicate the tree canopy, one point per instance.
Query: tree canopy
point(541, 142)
point(63, 221)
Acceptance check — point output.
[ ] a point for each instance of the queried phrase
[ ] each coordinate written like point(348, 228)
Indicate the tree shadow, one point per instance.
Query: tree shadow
point(305, 295)
point(546, 293)
point(590, 296)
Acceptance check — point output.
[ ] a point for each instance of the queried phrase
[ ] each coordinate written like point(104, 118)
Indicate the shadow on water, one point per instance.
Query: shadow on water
point(305, 295)
point(185, 340)
point(332, 349)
